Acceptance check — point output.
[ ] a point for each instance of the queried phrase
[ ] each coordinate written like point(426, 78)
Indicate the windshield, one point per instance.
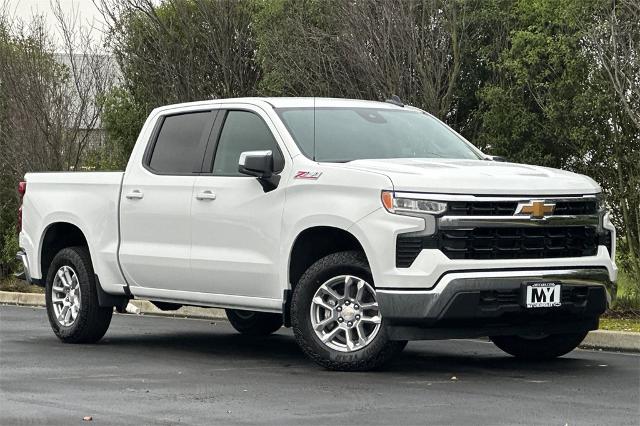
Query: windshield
point(347, 134)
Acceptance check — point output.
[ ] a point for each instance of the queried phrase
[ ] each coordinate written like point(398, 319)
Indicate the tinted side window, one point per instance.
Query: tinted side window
point(242, 131)
point(178, 147)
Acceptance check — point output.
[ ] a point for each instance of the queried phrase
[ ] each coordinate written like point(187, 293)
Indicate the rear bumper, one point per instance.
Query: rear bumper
point(471, 304)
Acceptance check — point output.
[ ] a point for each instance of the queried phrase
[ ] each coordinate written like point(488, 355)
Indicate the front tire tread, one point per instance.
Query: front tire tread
point(378, 353)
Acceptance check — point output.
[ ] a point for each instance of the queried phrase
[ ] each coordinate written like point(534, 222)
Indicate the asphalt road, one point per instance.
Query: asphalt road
point(154, 370)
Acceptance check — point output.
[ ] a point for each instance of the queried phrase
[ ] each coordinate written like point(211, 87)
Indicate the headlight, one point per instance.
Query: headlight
point(411, 206)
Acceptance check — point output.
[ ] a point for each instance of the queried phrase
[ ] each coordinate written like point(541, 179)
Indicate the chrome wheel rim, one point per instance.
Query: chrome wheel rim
point(345, 314)
point(65, 296)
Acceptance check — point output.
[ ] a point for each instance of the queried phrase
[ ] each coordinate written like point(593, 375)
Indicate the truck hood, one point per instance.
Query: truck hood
point(477, 177)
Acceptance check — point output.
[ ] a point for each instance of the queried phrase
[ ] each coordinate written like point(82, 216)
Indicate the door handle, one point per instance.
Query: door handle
point(135, 195)
point(206, 195)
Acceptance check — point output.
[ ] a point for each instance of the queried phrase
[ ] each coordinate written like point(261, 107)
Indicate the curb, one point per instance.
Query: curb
point(625, 341)
point(142, 307)
point(24, 299)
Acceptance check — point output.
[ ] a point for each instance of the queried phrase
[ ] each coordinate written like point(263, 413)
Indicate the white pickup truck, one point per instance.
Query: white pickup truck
point(360, 224)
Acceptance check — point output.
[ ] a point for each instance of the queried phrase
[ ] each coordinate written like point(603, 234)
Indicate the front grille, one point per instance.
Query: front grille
point(540, 242)
point(482, 208)
point(504, 236)
point(508, 208)
point(519, 243)
point(575, 207)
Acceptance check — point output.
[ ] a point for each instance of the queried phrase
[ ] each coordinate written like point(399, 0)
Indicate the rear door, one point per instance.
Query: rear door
point(236, 223)
point(155, 204)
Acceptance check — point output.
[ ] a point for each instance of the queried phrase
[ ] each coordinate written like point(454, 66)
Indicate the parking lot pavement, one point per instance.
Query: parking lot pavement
point(175, 371)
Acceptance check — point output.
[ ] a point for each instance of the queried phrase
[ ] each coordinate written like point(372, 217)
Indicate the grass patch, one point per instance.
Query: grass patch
point(626, 287)
point(21, 286)
point(620, 324)
point(627, 301)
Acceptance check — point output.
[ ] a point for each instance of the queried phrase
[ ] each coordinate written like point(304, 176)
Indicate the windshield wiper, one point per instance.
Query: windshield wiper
point(434, 154)
point(336, 161)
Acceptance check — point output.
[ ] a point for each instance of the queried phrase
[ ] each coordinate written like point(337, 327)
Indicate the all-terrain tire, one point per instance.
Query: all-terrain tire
point(254, 323)
point(376, 354)
point(548, 347)
point(92, 321)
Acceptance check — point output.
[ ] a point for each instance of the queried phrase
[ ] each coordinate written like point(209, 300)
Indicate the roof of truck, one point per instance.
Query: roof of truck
point(325, 102)
point(291, 102)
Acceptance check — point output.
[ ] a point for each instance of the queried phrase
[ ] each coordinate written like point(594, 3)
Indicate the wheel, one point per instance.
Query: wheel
point(547, 347)
point(335, 315)
point(254, 323)
point(72, 300)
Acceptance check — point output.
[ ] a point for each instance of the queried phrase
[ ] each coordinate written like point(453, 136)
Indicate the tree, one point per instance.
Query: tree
point(176, 51)
point(48, 113)
point(489, 24)
point(548, 100)
point(615, 38)
point(122, 118)
point(182, 50)
point(528, 107)
point(367, 50)
point(614, 44)
point(298, 49)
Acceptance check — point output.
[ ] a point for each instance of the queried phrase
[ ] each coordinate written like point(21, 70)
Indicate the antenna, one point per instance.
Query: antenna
point(395, 99)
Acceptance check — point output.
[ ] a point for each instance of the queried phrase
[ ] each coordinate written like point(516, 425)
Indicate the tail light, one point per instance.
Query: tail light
point(22, 189)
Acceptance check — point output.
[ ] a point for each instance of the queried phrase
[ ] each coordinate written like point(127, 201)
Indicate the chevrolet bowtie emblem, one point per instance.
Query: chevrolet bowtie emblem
point(535, 209)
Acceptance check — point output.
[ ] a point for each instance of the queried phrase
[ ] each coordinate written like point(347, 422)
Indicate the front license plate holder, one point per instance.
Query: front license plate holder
point(541, 294)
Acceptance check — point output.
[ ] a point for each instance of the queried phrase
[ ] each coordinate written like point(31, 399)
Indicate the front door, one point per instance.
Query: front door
point(235, 223)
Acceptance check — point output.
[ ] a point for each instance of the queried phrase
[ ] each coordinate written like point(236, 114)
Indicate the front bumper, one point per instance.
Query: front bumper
point(470, 304)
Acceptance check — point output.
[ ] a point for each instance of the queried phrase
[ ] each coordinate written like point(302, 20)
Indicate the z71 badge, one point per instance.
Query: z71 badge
point(302, 174)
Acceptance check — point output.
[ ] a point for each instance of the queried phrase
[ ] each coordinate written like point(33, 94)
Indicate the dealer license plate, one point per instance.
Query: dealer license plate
point(541, 294)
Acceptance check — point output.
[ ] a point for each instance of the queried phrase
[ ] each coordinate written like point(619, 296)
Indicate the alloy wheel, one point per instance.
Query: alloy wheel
point(65, 296)
point(345, 314)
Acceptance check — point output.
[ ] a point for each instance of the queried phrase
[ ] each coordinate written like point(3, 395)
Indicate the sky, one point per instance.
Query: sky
point(87, 13)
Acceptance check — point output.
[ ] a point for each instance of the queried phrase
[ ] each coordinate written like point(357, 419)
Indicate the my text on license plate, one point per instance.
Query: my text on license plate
point(541, 294)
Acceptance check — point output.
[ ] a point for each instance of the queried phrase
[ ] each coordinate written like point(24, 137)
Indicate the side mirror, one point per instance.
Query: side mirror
point(259, 164)
point(256, 163)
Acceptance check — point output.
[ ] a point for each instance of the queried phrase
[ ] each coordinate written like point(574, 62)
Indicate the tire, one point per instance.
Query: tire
point(337, 355)
point(91, 321)
point(548, 347)
point(254, 323)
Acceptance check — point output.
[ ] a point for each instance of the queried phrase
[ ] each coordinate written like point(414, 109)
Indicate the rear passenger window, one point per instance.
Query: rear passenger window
point(243, 131)
point(179, 147)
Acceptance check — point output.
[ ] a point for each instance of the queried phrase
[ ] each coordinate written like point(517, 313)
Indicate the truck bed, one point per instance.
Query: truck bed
point(87, 200)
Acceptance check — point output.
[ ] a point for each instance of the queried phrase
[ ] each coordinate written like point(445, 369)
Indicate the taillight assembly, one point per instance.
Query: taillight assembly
point(22, 189)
